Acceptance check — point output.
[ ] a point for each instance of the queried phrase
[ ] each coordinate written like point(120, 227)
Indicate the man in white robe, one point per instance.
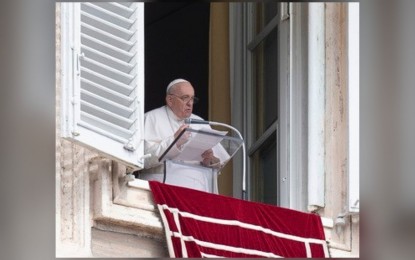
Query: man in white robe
point(162, 125)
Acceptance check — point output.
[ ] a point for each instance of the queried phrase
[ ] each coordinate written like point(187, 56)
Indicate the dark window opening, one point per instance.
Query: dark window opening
point(176, 46)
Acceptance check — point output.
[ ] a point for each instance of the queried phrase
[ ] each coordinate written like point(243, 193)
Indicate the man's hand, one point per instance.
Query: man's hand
point(185, 136)
point(209, 159)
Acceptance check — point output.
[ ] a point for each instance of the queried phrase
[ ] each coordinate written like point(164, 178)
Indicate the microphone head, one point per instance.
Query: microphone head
point(195, 121)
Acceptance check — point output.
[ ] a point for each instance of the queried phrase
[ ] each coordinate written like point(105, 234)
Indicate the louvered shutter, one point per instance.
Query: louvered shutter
point(103, 77)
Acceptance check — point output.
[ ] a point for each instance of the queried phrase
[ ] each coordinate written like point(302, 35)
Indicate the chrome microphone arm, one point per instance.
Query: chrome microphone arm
point(243, 155)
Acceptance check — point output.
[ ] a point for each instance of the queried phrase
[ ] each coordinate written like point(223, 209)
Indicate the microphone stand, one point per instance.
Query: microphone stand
point(243, 155)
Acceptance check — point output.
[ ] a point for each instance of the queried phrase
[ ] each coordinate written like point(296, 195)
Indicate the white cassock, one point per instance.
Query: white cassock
point(160, 125)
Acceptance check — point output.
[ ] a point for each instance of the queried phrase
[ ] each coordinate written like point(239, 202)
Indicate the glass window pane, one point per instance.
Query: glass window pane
point(264, 178)
point(265, 11)
point(266, 82)
point(264, 168)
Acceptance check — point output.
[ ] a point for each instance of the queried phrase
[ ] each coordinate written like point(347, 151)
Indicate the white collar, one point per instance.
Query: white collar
point(171, 114)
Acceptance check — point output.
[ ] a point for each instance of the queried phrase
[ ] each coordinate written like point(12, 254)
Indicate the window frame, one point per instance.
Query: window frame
point(353, 107)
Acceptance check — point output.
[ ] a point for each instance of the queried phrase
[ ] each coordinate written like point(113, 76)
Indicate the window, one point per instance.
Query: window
point(268, 78)
point(260, 87)
point(265, 96)
point(103, 78)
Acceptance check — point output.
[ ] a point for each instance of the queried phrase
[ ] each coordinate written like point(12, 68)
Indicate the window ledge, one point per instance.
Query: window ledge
point(126, 206)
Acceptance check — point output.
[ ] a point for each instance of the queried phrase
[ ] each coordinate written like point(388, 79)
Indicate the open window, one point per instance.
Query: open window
point(103, 78)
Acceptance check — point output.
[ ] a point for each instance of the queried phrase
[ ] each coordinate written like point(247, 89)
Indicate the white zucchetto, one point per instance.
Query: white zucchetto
point(174, 82)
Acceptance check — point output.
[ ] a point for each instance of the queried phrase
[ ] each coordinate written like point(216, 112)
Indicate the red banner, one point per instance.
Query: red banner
point(200, 224)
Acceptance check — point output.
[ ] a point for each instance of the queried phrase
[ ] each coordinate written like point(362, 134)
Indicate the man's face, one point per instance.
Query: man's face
point(180, 99)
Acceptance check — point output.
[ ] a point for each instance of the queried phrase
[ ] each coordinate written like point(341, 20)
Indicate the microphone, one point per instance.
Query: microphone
point(198, 121)
point(195, 121)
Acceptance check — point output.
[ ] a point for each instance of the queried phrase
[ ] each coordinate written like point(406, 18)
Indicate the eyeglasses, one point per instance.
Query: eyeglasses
point(187, 98)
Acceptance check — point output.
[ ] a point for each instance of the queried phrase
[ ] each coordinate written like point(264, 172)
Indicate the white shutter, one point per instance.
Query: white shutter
point(103, 78)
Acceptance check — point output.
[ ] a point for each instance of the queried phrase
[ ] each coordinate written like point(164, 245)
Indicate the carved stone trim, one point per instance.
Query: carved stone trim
point(117, 205)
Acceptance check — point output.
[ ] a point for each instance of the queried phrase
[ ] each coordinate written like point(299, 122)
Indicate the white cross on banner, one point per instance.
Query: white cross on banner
point(201, 224)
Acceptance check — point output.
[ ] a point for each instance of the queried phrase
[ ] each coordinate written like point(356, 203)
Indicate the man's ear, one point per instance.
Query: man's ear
point(169, 100)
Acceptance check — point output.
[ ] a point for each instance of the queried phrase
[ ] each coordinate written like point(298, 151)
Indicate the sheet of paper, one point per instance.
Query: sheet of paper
point(198, 143)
